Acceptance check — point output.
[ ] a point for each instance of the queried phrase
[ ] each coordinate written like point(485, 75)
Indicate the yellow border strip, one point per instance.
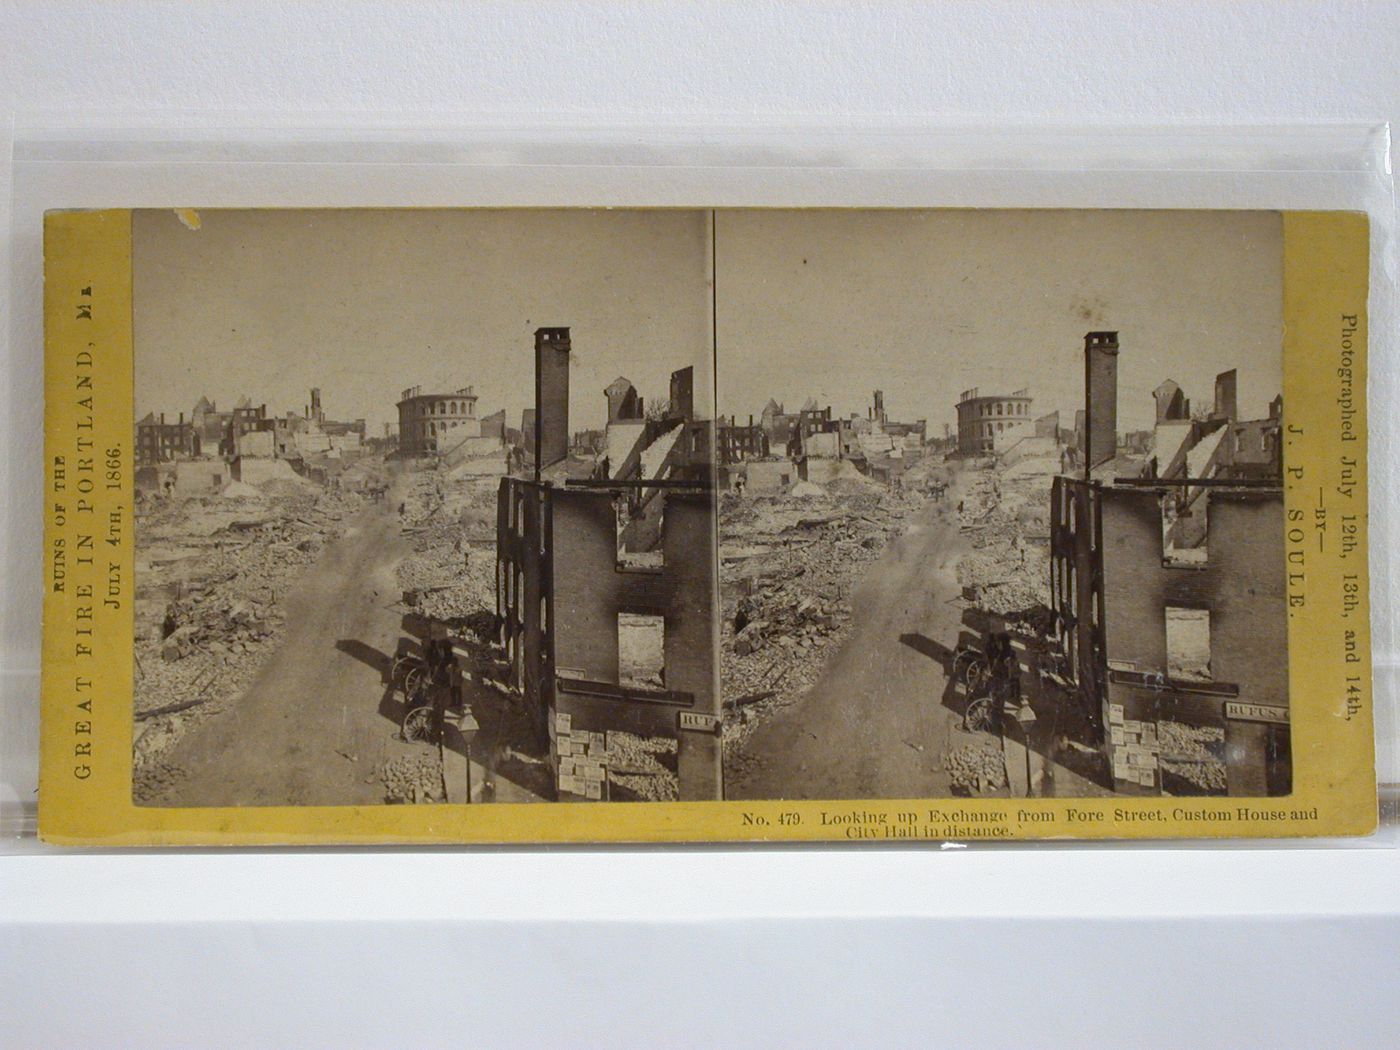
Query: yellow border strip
point(85, 779)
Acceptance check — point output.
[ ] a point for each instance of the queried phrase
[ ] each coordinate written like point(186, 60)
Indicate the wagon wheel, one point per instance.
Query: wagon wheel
point(978, 716)
point(974, 674)
point(414, 679)
point(418, 725)
point(403, 663)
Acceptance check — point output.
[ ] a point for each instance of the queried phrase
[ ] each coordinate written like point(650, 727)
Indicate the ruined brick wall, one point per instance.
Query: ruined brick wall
point(524, 603)
point(589, 592)
point(1076, 585)
point(1242, 584)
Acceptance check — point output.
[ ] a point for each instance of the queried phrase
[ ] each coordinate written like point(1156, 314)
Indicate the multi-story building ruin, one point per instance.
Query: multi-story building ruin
point(1168, 584)
point(607, 594)
point(158, 441)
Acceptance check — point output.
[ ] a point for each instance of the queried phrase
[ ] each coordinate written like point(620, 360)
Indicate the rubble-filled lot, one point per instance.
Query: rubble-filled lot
point(211, 575)
point(976, 769)
point(1194, 756)
point(413, 778)
point(1005, 515)
point(451, 526)
point(641, 768)
point(788, 563)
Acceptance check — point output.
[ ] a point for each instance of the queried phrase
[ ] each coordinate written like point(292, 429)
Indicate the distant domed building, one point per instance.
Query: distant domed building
point(981, 418)
point(433, 422)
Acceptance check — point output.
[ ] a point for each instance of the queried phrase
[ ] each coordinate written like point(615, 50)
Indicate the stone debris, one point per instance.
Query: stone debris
point(975, 769)
point(642, 768)
point(1006, 519)
point(1196, 754)
point(240, 490)
point(451, 575)
point(413, 778)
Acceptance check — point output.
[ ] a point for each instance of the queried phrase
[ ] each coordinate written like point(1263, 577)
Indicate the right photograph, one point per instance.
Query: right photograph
point(1001, 505)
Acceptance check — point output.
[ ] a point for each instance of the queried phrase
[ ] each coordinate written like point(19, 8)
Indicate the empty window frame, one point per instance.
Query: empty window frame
point(640, 528)
point(641, 650)
point(1184, 529)
point(1188, 643)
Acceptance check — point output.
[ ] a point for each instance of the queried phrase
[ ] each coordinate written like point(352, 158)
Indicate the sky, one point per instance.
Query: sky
point(926, 304)
point(828, 304)
point(366, 303)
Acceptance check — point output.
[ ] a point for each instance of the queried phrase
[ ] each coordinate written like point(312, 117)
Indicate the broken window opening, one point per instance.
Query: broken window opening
point(1184, 529)
point(640, 528)
point(641, 650)
point(1188, 643)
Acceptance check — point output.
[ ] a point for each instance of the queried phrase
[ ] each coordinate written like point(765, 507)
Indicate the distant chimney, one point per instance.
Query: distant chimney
point(316, 404)
point(1225, 398)
point(683, 393)
point(1101, 397)
point(879, 413)
point(552, 347)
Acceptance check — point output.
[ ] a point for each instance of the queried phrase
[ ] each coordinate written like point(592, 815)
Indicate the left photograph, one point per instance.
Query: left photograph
point(424, 507)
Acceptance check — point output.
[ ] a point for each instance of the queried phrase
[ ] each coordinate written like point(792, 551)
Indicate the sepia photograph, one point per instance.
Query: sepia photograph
point(646, 506)
point(1002, 508)
point(424, 507)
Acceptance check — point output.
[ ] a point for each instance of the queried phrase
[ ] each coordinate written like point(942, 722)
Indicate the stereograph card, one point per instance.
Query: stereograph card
point(576, 525)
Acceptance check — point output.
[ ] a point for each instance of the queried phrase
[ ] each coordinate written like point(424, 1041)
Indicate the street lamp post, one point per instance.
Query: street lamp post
point(1025, 715)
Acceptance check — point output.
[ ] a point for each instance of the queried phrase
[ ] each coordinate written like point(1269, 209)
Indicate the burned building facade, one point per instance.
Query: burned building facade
point(607, 594)
point(158, 441)
point(244, 432)
point(1168, 582)
point(815, 443)
point(736, 442)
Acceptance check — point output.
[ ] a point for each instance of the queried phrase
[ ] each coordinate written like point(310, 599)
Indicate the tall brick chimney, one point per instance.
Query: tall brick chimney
point(1226, 402)
point(551, 397)
point(1100, 398)
point(316, 404)
point(879, 413)
point(683, 393)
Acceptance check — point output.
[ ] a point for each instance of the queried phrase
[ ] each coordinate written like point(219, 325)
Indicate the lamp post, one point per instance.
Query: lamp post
point(1025, 715)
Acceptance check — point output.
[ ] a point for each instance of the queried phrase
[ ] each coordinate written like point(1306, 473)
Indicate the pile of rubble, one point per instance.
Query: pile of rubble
point(1008, 569)
point(1195, 754)
point(209, 574)
point(974, 769)
point(451, 574)
point(424, 498)
point(413, 778)
point(642, 768)
point(787, 566)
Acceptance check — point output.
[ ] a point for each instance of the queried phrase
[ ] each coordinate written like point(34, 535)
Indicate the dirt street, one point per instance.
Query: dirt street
point(874, 724)
point(309, 730)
